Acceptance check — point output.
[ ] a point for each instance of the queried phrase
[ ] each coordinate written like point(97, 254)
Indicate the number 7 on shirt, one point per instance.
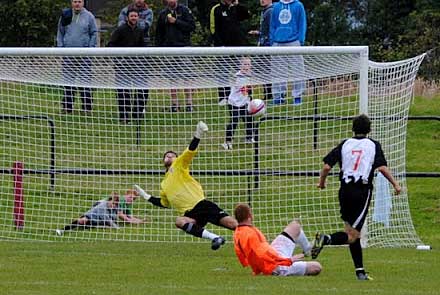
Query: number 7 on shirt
point(358, 154)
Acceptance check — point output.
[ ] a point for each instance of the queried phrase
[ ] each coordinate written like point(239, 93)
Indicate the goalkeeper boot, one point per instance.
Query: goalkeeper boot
point(362, 276)
point(59, 232)
point(318, 244)
point(217, 242)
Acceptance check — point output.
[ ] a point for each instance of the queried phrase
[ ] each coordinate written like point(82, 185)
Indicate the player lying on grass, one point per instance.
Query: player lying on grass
point(358, 157)
point(181, 191)
point(105, 212)
point(125, 208)
point(102, 214)
point(252, 248)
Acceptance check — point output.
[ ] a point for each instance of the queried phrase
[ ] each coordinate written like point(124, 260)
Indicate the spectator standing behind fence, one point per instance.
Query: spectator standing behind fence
point(129, 35)
point(288, 27)
point(76, 28)
point(174, 27)
point(145, 18)
point(264, 38)
point(225, 20)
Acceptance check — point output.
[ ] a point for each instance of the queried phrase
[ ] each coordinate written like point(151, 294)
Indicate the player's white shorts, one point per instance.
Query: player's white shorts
point(285, 247)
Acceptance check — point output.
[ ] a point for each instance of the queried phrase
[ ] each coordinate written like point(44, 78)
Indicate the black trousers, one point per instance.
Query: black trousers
point(236, 114)
point(134, 107)
point(77, 70)
point(69, 98)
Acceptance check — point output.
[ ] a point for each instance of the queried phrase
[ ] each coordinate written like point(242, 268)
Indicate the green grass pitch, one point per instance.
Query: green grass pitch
point(192, 268)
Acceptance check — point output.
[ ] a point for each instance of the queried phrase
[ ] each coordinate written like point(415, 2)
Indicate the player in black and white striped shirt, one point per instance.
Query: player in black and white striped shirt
point(358, 158)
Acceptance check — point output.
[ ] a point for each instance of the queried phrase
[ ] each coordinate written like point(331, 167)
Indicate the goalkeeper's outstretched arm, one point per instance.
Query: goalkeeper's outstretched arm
point(198, 134)
point(147, 197)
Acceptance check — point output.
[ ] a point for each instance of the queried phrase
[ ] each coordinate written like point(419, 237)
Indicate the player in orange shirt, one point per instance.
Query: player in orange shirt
point(253, 250)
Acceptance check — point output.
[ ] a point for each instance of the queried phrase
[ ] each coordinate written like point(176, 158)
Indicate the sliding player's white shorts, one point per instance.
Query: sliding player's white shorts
point(285, 247)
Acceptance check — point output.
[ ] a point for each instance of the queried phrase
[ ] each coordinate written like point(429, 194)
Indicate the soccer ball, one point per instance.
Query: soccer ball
point(256, 107)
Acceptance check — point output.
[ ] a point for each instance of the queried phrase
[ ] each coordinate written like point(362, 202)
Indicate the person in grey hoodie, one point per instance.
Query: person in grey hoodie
point(77, 28)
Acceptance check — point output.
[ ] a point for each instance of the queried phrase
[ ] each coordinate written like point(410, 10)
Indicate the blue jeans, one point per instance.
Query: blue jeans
point(285, 69)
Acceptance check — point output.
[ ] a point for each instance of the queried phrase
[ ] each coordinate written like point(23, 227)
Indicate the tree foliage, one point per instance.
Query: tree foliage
point(29, 23)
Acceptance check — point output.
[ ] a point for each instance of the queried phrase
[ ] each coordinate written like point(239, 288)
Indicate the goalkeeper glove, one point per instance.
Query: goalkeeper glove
point(142, 193)
point(200, 130)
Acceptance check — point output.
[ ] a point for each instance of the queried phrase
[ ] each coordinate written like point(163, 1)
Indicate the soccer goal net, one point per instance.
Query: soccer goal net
point(81, 125)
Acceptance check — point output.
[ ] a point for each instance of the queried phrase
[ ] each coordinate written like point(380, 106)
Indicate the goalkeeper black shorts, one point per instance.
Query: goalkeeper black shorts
point(206, 211)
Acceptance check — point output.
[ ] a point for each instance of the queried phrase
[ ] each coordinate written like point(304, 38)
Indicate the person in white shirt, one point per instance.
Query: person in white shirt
point(358, 157)
point(237, 103)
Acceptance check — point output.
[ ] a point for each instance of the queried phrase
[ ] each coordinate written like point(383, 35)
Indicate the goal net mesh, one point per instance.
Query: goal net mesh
point(84, 127)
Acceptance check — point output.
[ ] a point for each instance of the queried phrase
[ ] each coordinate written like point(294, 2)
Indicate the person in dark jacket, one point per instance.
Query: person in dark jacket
point(174, 27)
point(128, 35)
point(145, 17)
point(225, 19)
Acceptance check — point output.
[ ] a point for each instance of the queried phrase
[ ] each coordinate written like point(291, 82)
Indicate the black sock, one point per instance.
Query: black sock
point(71, 226)
point(356, 255)
point(193, 229)
point(337, 238)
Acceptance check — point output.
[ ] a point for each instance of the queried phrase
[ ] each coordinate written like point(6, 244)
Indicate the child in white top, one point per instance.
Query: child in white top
point(237, 103)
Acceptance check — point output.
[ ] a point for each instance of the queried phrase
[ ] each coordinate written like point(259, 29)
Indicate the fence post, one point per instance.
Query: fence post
point(17, 172)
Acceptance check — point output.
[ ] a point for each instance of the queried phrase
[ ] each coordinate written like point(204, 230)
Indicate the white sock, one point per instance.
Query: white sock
point(303, 242)
point(209, 235)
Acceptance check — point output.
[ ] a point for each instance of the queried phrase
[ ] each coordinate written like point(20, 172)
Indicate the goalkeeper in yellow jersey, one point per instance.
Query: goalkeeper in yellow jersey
point(182, 192)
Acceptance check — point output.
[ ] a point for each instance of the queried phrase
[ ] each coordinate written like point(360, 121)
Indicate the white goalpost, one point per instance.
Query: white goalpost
point(80, 125)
